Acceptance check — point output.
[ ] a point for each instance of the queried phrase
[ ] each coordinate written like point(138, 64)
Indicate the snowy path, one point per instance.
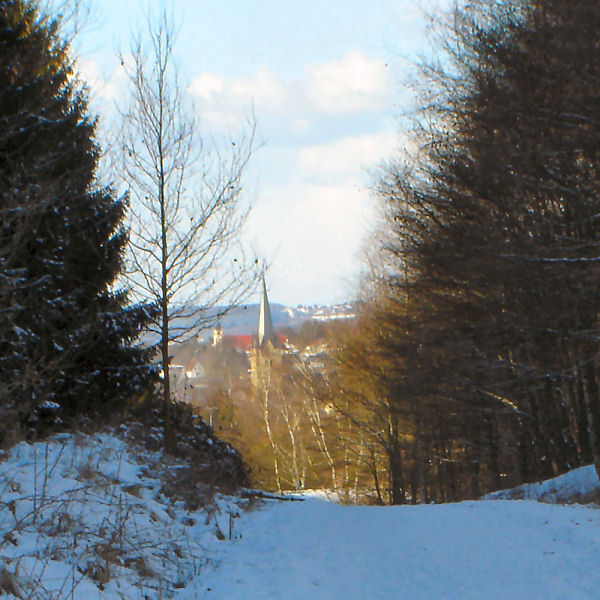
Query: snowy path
point(473, 550)
point(100, 528)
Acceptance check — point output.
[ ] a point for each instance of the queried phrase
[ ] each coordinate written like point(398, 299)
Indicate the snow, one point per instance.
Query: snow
point(334, 317)
point(577, 484)
point(49, 405)
point(86, 514)
point(471, 550)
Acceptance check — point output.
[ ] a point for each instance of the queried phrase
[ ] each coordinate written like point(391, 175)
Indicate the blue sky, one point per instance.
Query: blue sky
point(326, 80)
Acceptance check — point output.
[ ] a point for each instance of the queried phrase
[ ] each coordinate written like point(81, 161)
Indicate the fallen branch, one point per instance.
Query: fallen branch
point(269, 496)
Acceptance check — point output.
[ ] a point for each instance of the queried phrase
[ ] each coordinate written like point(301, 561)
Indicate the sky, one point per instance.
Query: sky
point(326, 80)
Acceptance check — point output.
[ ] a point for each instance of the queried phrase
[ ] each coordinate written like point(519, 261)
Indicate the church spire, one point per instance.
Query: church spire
point(265, 324)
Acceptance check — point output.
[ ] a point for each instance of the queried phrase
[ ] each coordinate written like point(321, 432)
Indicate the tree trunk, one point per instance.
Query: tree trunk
point(590, 398)
point(267, 420)
point(494, 450)
point(419, 462)
point(168, 434)
point(397, 493)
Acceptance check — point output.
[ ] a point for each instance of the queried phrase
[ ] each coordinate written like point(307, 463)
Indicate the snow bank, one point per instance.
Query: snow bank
point(579, 485)
point(84, 517)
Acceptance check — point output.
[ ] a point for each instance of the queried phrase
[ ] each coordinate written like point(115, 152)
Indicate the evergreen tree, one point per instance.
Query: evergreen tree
point(66, 336)
point(495, 235)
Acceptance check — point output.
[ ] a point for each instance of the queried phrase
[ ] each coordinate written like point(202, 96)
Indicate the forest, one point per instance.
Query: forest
point(473, 361)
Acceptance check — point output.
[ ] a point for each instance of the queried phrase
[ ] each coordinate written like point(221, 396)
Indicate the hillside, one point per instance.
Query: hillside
point(243, 319)
point(90, 517)
point(101, 516)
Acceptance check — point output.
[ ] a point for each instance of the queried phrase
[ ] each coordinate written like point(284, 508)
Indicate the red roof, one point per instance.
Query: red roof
point(240, 342)
point(244, 343)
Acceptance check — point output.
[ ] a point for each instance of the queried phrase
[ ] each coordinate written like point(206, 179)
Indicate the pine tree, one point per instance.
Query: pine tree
point(67, 337)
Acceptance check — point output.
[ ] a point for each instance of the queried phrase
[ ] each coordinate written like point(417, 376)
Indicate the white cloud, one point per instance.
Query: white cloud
point(313, 242)
point(347, 156)
point(225, 101)
point(263, 88)
point(312, 225)
point(300, 125)
point(260, 87)
point(207, 85)
point(102, 88)
point(355, 83)
point(107, 91)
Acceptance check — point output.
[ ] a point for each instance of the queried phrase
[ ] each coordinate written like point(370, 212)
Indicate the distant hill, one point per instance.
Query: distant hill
point(243, 320)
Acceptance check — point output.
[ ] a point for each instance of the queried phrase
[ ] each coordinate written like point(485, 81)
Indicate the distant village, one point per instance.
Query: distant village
point(206, 363)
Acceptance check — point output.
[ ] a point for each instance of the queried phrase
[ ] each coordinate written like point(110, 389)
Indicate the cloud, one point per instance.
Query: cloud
point(312, 222)
point(261, 86)
point(207, 85)
point(224, 101)
point(313, 243)
point(347, 156)
point(102, 88)
point(354, 83)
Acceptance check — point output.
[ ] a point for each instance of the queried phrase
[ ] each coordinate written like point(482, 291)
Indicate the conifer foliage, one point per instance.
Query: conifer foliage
point(66, 336)
point(487, 299)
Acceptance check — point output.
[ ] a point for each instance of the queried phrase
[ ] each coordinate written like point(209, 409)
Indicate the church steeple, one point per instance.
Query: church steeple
point(265, 324)
point(267, 353)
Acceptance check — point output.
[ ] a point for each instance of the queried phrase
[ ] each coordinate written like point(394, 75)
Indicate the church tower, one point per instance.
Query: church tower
point(266, 351)
point(265, 324)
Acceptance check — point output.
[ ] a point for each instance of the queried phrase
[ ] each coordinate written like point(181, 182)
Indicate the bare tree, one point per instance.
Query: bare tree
point(186, 200)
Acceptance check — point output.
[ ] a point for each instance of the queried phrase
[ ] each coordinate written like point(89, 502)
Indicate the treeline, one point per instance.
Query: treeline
point(475, 363)
point(66, 333)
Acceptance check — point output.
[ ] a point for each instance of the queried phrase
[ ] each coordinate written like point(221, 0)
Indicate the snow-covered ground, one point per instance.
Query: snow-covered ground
point(580, 485)
point(472, 550)
point(100, 524)
point(86, 514)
